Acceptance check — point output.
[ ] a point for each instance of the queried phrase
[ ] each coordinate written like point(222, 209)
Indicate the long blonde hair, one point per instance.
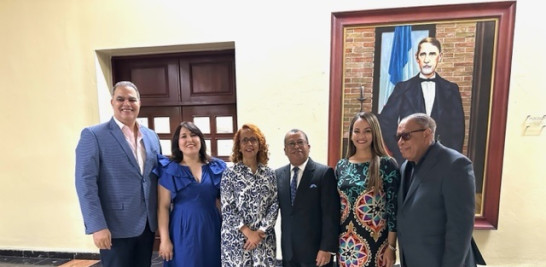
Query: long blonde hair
point(373, 180)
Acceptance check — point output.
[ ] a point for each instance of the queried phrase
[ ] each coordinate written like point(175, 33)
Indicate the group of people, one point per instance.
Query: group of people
point(208, 214)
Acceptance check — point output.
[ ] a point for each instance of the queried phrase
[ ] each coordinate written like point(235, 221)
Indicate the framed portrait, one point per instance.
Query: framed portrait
point(476, 52)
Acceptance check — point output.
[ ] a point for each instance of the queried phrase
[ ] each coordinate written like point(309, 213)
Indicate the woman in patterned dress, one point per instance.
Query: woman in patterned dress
point(368, 182)
point(249, 203)
point(189, 182)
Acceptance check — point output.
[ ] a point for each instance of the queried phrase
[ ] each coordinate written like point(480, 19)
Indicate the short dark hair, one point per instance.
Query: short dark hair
point(431, 40)
point(297, 131)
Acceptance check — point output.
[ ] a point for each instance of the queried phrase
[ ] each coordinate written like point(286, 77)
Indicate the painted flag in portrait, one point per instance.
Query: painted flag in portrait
point(401, 48)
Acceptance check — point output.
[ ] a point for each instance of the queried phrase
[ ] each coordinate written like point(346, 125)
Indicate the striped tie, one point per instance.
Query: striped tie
point(294, 185)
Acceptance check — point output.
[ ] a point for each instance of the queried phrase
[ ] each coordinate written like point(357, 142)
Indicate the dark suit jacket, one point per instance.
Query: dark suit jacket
point(407, 98)
point(113, 193)
point(436, 217)
point(312, 224)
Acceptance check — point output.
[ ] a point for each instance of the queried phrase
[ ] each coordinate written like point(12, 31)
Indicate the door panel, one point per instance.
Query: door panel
point(157, 80)
point(207, 81)
point(218, 124)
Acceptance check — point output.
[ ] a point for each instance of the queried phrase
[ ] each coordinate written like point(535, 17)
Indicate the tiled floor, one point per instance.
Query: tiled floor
point(32, 261)
point(10, 261)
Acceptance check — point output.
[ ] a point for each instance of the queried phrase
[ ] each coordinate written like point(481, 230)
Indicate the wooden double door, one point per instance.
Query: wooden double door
point(197, 87)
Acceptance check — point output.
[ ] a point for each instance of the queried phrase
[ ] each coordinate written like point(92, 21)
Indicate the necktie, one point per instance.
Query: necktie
point(294, 185)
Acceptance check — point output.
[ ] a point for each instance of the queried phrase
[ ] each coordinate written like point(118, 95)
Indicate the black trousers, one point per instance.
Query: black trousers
point(130, 252)
point(332, 263)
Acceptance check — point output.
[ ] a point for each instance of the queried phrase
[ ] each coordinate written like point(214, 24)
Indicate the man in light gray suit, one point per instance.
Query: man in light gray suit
point(435, 200)
point(115, 184)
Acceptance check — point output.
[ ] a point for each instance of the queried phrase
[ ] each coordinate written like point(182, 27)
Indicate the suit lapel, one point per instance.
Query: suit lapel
point(401, 196)
point(120, 138)
point(424, 170)
point(439, 96)
point(151, 157)
point(404, 198)
point(435, 112)
point(415, 94)
point(305, 180)
point(285, 182)
point(306, 177)
point(284, 187)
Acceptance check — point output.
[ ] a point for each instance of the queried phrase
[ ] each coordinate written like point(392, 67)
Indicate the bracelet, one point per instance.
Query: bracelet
point(392, 247)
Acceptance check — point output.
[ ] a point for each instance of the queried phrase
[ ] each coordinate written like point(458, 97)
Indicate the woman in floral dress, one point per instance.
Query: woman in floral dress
point(249, 203)
point(368, 182)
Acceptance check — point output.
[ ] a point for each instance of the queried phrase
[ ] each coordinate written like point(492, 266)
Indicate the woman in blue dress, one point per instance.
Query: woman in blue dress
point(368, 184)
point(189, 218)
point(249, 203)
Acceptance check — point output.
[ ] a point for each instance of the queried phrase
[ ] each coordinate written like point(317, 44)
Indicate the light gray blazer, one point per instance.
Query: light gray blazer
point(436, 218)
point(112, 192)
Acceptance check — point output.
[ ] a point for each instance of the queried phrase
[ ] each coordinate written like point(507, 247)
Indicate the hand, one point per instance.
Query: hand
point(166, 250)
point(103, 239)
point(249, 245)
point(389, 258)
point(253, 238)
point(323, 257)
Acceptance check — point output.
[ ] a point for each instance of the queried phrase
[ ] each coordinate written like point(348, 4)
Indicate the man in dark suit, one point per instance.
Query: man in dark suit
point(115, 184)
point(309, 220)
point(435, 216)
point(427, 93)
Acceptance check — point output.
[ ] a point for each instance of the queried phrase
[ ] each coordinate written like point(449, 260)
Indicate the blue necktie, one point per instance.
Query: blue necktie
point(294, 185)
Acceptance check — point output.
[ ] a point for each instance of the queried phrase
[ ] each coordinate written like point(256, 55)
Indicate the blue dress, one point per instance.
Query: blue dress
point(195, 221)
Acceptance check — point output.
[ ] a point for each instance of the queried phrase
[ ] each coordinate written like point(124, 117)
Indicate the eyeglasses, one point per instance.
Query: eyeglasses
point(252, 140)
point(297, 143)
point(407, 135)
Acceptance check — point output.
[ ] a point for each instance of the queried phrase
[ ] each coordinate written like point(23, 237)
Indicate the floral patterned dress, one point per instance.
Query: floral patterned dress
point(366, 216)
point(248, 199)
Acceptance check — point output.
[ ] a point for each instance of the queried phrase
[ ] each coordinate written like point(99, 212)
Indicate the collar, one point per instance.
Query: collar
point(301, 167)
point(421, 76)
point(120, 124)
point(419, 163)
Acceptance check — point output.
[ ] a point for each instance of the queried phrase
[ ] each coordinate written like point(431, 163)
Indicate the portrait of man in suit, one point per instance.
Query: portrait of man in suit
point(436, 198)
point(116, 187)
point(309, 204)
point(428, 93)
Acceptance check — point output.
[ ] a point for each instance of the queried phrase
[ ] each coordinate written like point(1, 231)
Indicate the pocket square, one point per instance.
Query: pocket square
point(313, 186)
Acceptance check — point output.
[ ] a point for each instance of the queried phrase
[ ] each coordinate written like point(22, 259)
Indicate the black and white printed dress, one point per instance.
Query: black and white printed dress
point(248, 199)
